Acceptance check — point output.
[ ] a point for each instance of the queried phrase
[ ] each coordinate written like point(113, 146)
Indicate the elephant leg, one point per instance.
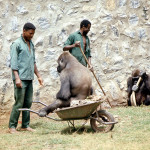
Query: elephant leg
point(56, 104)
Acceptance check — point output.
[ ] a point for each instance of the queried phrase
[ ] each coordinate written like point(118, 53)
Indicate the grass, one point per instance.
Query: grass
point(131, 133)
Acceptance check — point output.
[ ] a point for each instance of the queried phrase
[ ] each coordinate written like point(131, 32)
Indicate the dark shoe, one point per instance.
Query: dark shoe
point(12, 131)
point(27, 129)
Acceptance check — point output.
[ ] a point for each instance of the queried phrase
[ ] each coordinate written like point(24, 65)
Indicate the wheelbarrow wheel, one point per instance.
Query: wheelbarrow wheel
point(98, 124)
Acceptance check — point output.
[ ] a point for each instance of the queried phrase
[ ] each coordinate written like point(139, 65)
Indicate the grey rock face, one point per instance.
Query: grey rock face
point(66, 1)
point(39, 42)
point(44, 23)
point(115, 31)
point(119, 40)
point(14, 23)
point(38, 7)
point(130, 33)
point(62, 37)
point(22, 10)
point(84, 0)
point(6, 11)
point(122, 15)
point(0, 26)
point(142, 34)
point(107, 18)
point(54, 73)
point(122, 2)
point(134, 3)
point(133, 20)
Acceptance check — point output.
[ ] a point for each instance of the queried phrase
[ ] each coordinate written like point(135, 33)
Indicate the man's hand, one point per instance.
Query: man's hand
point(90, 68)
point(40, 81)
point(135, 88)
point(18, 83)
point(77, 44)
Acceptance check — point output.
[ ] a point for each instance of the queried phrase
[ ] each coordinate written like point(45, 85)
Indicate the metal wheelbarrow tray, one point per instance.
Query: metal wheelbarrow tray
point(77, 112)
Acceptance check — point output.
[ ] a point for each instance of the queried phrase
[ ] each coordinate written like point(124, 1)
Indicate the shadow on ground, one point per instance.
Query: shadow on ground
point(78, 130)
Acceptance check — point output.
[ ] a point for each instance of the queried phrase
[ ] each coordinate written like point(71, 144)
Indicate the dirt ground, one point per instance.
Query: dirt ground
point(4, 121)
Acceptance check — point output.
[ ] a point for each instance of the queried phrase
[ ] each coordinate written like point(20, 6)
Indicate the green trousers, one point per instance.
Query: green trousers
point(23, 99)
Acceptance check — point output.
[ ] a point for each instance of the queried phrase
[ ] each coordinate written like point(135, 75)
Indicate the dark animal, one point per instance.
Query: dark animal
point(142, 93)
point(75, 80)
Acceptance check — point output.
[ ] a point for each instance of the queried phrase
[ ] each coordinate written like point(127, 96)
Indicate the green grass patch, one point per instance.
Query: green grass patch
point(132, 132)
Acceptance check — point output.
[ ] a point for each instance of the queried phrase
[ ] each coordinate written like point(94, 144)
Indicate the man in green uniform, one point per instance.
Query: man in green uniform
point(23, 67)
point(72, 43)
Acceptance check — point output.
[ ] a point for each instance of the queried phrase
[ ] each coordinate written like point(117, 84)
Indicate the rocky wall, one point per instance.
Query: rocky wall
point(119, 41)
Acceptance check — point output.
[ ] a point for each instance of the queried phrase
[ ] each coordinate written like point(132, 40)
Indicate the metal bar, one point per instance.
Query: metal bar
point(40, 103)
point(26, 109)
point(100, 121)
point(53, 118)
point(109, 123)
point(72, 123)
point(82, 125)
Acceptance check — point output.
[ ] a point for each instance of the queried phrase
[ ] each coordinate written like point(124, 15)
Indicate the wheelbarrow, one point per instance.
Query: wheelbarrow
point(100, 120)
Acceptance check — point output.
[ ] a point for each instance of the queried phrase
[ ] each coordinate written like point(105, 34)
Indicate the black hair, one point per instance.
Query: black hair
point(29, 26)
point(84, 23)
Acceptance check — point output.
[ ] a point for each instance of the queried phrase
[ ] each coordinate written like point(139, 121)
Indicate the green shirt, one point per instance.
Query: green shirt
point(76, 36)
point(22, 59)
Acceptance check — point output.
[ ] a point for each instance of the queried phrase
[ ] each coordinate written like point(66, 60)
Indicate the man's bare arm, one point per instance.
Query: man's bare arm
point(90, 67)
point(38, 75)
point(69, 47)
point(17, 79)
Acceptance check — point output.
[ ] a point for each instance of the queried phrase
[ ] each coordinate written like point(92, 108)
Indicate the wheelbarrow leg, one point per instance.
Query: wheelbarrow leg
point(82, 125)
point(72, 123)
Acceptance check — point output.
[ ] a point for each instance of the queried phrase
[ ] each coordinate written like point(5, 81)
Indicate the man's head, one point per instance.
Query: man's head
point(28, 31)
point(85, 26)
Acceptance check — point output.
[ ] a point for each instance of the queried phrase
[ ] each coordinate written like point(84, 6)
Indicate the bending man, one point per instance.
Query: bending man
point(72, 43)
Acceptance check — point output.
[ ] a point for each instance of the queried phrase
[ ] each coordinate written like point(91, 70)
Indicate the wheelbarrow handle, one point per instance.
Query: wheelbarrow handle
point(30, 110)
point(26, 109)
point(40, 103)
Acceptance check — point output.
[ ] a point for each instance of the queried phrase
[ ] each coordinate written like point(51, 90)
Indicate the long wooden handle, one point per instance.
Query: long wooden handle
point(92, 70)
point(94, 74)
point(139, 80)
point(133, 99)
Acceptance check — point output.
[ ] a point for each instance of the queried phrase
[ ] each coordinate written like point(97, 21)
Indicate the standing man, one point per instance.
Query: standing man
point(72, 43)
point(23, 67)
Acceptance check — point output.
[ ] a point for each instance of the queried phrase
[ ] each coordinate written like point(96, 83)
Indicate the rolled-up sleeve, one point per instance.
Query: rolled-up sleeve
point(69, 41)
point(14, 56)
